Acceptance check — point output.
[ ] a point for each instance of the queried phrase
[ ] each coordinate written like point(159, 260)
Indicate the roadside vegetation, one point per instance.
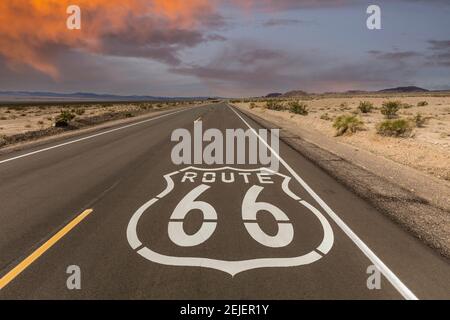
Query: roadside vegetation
point(419, 120)
point(347, 124)
point(390, 109)
point(298, 108)
point(411, 129)
point(350, 123)
point(365, 106)
point(274, 105)
point(64, 118)
point(395, 128)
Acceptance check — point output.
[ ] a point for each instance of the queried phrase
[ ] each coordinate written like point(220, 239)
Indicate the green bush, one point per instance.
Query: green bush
point(394, 128)
point(390, 108)
point(298, 108)
point(365, 106)
point(274, 105)
point(347, 124)
point(422, 104)
point(64, 118)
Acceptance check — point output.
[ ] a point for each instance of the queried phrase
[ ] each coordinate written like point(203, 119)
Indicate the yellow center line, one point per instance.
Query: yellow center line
point(7, 278)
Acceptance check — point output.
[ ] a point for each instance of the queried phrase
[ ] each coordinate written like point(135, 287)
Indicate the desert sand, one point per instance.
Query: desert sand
point(426, 149)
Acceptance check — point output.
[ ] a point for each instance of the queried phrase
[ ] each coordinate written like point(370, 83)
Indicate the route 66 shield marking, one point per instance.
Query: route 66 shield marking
point(250, 208)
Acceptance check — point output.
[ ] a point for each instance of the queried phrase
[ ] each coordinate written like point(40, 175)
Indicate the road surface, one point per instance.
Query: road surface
point(115, 206)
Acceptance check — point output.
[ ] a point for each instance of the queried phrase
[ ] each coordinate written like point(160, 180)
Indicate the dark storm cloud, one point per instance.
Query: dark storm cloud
point(159, 44)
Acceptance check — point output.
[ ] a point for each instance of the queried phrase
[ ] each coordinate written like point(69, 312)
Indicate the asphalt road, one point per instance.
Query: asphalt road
point(133, 241)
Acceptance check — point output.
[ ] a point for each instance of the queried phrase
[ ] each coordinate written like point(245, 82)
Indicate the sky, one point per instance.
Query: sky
point(228, 48)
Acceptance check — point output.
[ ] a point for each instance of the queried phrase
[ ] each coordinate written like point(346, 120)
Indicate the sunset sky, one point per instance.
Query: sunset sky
point(224, 48)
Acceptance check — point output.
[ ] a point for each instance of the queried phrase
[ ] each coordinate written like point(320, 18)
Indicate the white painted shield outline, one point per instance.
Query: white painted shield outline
point(230, 267)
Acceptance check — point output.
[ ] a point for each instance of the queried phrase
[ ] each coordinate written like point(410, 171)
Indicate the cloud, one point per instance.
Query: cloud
point(246, 66)
point(395, 56)
point(34, 41)
point(440, 53)
point(282, 22)
point(156, 29)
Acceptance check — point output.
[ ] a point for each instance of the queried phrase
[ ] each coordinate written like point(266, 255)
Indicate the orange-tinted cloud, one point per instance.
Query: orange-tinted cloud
point(31, 30)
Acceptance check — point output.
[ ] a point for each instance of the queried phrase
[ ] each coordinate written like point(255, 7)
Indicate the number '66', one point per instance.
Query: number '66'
point(250, 208)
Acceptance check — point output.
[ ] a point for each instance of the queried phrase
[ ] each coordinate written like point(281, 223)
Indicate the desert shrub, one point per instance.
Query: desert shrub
point(394, 128)
point(390, 108)
point(298, 108)
point(129, 115)
point(252, 105)
point(80, 111)
point(2, 140)
point(64, 118)
point(3, 118)
point(422, 103)
point(274, 105)
point(325, 116)
point(347, 124)
point(40, 122)
point(365, 106)
point(419, 120)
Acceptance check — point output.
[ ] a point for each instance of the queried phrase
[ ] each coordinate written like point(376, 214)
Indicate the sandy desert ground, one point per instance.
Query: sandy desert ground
point(426, 149)
point(17, 119)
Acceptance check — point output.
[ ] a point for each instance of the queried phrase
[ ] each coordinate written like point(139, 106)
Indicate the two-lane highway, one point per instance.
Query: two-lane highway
point(140, 227)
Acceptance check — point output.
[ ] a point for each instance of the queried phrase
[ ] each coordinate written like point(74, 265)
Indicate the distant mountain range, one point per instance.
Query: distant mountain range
point(405, 89)
point(410, 89)
point(17, 96)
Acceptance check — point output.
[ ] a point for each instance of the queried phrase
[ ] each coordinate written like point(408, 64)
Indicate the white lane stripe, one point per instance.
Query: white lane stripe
point(90, 137)
point(392, 278)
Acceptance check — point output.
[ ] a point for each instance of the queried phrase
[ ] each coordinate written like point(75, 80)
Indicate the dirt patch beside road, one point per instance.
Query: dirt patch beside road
point(28, 122)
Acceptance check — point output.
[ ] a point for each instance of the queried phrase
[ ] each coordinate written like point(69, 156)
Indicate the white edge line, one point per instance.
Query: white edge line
point(93, 136)
point(390, 276)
